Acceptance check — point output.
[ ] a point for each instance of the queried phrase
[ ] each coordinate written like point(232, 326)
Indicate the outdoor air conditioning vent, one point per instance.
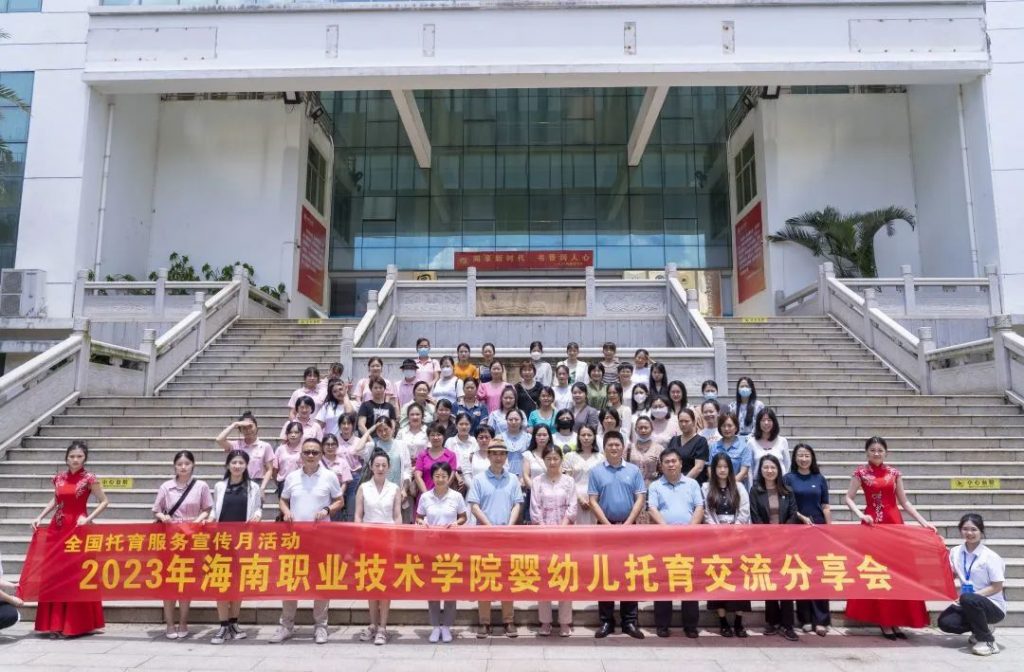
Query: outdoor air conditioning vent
point(22, 293)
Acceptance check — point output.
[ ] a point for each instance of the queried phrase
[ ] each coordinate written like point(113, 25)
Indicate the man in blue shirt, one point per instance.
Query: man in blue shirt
point(617, 492)
point(675, 500)
point(495, 498)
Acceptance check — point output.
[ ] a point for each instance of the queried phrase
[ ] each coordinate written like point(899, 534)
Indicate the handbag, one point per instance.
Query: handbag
point(174, 509)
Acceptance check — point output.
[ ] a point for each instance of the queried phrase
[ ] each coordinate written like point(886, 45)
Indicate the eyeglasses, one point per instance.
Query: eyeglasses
point(311, 453)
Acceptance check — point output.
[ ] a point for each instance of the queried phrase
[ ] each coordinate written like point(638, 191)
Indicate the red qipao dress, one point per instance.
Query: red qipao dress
point(69, 618)
point(879, 485)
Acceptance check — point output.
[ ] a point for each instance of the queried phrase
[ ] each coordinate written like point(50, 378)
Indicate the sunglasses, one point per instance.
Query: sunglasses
point(311, 453)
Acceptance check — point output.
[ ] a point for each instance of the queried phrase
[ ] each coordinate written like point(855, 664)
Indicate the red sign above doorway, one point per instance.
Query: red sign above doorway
point(524, 261)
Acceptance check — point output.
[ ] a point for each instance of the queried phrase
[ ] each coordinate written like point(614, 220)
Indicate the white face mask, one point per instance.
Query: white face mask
point(408, 374)
point(446, 371)
point(535, 356)
point(640, 397)
point(659, 413)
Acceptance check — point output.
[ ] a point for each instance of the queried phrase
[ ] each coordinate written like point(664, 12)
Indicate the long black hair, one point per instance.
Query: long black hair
point(655, 389)
point(731, 488)
point(683, 402)
point(759, 479)
point(758, 434)
point(814, 469)
point(77, 445)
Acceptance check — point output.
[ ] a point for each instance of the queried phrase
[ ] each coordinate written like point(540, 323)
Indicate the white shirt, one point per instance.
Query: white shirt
point(447, 388)
point(378, 506)
point(545, 374)
point(307, 494)
point(463, 451)
point(441, 511)
point(577, 371)
point(563, 398)
point(986, 568)
point(780, 449)
point(534, 464)
point(641, 376)
point(329, 415)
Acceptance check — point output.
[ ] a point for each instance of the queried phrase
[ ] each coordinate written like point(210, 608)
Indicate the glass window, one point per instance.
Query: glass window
point(746, 175)
point(14, 131)
point(316, 178)
point(20, 6)
point(531, 169)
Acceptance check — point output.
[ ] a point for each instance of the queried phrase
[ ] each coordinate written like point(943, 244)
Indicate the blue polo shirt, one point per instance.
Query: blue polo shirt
point(677, 501)
point(739, 453)
point(616, 488)
point(496, 495)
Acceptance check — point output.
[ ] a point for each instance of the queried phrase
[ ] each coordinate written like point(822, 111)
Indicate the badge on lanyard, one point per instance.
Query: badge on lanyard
point(966, 586)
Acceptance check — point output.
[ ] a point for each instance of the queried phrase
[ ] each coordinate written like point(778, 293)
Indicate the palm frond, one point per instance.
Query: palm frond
point(9, 96)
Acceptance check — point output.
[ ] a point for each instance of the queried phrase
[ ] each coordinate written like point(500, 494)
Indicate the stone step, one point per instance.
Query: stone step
point(228, 412)
point(266, 379)
point(407, 613)
point(911, 418)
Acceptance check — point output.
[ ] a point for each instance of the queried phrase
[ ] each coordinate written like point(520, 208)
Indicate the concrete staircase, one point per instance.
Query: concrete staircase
point(831, 392)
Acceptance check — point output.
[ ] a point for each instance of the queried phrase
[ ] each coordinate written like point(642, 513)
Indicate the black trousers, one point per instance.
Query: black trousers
point(663, 614)
point(627, 613)
point(779, 613)
point(8, 615)
point(974, 614)
point(814, 612)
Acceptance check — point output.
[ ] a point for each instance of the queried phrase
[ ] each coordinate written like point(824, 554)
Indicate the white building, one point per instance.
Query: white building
point(618, 126)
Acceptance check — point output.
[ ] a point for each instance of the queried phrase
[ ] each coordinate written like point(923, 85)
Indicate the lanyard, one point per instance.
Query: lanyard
point(967, 568)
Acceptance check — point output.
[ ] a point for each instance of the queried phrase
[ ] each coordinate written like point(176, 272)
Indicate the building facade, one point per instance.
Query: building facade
point(335, 138)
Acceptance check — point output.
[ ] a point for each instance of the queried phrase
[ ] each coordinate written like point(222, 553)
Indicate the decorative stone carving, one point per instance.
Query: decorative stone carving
point(636, 302)
point(436, 303)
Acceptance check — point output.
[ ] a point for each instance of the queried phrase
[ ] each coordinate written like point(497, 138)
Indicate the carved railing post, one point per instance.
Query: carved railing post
point(870, 302)
point(471, 292)
point(160, 294)
point(999, 326)
point(925, 345)
point(909, 295)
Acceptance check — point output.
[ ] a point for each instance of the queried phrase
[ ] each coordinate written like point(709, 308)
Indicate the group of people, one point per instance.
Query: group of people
point(607, 443)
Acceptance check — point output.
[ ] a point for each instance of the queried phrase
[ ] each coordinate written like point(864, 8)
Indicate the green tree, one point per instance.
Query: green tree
point(847, 240)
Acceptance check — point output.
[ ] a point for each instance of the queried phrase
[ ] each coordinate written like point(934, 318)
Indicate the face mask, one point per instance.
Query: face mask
point(446, 371)
point(659, 413)
point(564, 424)
point(643, 439)
point(535, 356)
point(710, 396)
point(423, 352)
point(640, 398)
point(408, 375)
point(744, 392)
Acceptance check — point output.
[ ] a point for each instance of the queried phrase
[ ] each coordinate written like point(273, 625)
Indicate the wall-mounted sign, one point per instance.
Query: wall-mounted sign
point(520, 261)
point(312, 248)
point(750, 254)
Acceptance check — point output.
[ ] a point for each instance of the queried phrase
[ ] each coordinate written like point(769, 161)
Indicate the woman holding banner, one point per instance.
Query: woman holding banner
point(884, 495)
point(71, 490)
point(182, 499)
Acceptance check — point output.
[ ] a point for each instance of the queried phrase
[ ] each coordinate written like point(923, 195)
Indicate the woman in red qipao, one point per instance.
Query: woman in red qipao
point(71, 490)
point(884, 494)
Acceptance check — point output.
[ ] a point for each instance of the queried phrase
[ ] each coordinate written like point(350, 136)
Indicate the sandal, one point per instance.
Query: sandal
point(367, 634)
point(544, 630)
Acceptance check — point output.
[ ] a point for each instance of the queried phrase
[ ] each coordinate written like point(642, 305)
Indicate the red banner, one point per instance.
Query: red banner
point(520, 261)
point(750, 254)
point(312, 251)
point(335, 560)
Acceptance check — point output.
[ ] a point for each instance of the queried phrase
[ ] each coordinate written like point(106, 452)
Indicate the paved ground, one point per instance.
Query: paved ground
point(128, 647)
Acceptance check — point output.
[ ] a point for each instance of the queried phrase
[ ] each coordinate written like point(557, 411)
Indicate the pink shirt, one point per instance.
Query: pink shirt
point(317, 393)
point(286, 460)
point(346, 450)
point(363, 393)
point(490, 394)
point(424, 463)
point(428, 370)
point(198, 500)
point(310, 430)
point(404, 391)
point(340, 468)
point(551, 502)
point(261, 456)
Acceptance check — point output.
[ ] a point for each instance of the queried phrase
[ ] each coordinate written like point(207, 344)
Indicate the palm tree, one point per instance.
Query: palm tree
point(847, 240)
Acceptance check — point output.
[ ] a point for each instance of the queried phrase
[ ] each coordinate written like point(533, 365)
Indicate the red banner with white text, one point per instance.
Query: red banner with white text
point(335, 560)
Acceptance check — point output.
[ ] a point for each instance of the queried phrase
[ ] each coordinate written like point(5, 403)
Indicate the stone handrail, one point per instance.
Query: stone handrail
point(378, 320)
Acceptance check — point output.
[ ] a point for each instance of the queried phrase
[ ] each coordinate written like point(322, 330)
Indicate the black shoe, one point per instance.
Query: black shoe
point(899, 633)
point(633, 631)
point(662, 632)
point(603, 631)
point(770, 629)
point(789, 634)
point(741, 632)
point(725, 630)
point(691, 633)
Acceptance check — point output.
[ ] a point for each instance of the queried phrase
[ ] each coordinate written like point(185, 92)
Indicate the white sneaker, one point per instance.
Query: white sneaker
point(446, 634)
point(367, 634)
point(280, 635)
point(435, 635)
point(984, 649)
point(320, 635)
point(807, 627)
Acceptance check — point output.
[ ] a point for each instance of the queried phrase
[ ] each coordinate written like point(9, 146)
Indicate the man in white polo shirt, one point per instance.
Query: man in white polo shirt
point(311, 494)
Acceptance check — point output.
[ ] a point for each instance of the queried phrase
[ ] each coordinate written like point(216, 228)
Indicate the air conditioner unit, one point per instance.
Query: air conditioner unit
point(22, 293)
